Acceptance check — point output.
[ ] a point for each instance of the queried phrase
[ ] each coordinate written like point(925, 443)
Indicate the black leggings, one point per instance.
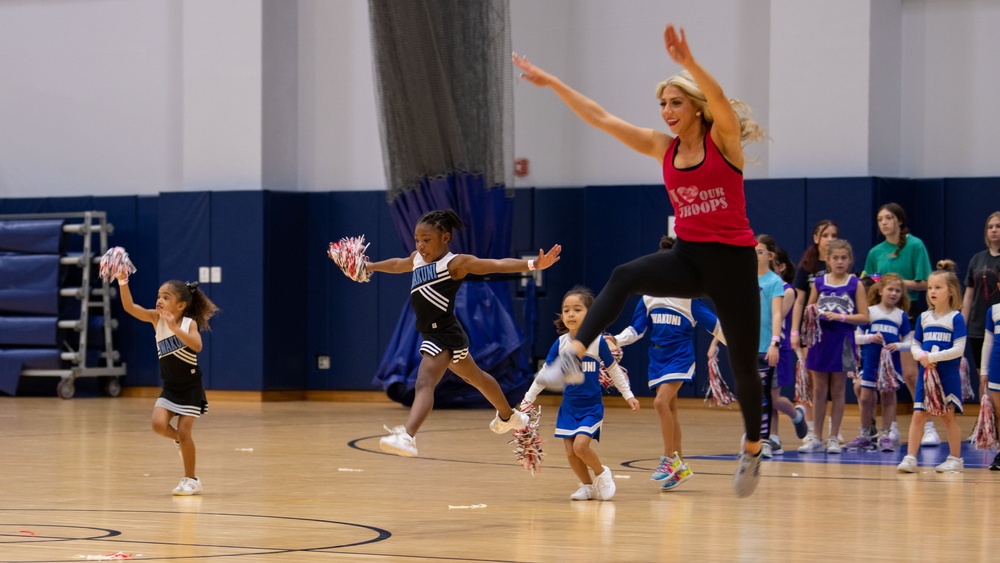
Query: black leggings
point(725, 274)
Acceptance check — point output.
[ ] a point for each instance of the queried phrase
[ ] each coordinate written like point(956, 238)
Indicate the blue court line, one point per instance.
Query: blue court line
point(927, 456)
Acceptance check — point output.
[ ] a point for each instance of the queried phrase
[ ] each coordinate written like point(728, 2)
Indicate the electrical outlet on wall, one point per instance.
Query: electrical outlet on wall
point(322, 362)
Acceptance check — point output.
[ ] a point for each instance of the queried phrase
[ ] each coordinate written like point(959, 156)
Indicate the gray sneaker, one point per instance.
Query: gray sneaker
point(747, 474)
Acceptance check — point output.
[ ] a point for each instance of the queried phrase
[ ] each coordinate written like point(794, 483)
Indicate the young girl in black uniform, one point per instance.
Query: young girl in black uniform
point(181, 312)
point(437, 275)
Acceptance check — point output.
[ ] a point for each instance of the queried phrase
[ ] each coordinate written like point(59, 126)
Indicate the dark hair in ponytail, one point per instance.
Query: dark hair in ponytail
point(585, 295)
point(199, 307)
point(904, 230)
point(445, 221)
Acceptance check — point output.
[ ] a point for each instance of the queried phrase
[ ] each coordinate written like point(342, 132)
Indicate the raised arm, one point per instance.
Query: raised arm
point(649, 142)
point(726, 126)
point(147, 315)
point(465, 264)
point(393, 265)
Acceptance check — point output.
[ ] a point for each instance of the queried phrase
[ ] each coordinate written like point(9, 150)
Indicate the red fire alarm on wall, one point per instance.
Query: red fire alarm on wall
point(520, 167)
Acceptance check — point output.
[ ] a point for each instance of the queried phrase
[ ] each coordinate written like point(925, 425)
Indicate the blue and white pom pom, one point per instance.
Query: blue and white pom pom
point(349, 255)
point(115, 262)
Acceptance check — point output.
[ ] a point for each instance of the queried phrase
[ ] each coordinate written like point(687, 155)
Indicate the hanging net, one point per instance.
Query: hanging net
point(444, 86)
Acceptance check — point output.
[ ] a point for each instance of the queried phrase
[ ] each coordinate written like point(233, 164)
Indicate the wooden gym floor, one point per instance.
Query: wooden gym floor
point(306, 482)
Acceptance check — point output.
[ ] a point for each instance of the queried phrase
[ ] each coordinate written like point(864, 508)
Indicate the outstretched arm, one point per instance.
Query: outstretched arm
point(726, 126)
point(465, 264)
point(646, 141)
point(393, 265)
point(147, 315)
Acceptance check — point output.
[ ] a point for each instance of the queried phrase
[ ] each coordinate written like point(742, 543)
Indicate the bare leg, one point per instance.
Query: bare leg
point(888, 409)
point(583, 451)
point(185, 424)
point(867, 403)
point(916, 432)
point(821, 386)
point(666, 409)
point(954, 432)
point(429, 374)
point(576, 464)
point(470, 372)
point(838, 388)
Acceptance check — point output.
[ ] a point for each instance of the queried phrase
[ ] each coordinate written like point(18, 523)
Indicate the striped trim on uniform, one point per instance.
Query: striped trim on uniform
point(432, 349)
point(432, 295)
point(673, 377)
point(185, 355)
point(588, 430)
point(185, 410)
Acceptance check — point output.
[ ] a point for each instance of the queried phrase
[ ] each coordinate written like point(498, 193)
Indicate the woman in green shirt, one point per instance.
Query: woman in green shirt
point(906, 256)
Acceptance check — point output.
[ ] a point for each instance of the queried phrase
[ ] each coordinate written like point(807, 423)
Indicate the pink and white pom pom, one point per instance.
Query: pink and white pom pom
point(887, 380)
point(115, 262)
point(349, 255)
point(803, 383)
point(527, 443)
point(811, 333)
point(934, 403)
point(718, 393)
point(984, 436)
point(963, 370)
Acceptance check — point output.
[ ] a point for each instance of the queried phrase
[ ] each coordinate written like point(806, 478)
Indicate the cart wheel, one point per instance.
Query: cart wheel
point(65, 389)
point(112, 387)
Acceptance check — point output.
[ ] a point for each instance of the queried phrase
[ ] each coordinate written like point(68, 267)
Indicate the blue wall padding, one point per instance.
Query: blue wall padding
point(286, 249)
point(12, 361)
point(28, 331)
point(35, 236)
point(29, 284)
point(285, 303)
point(234, 352)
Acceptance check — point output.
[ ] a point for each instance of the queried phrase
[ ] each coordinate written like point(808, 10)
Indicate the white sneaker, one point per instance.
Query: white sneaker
point(894, 434)
point(952, 464)
point(931, 437)
point(398, 442)
point(832, 446)
point(604, 485)
point(585, 492)
point(565, 370)
point(908, 465)
point(517, 421)
point(810, 437)
point(813, 446)
point(187, 487)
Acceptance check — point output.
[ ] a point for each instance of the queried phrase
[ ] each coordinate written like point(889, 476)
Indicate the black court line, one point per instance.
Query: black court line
point(381, 535)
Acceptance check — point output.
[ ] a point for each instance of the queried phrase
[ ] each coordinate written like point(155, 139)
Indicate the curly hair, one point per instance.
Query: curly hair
point(199, 307)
